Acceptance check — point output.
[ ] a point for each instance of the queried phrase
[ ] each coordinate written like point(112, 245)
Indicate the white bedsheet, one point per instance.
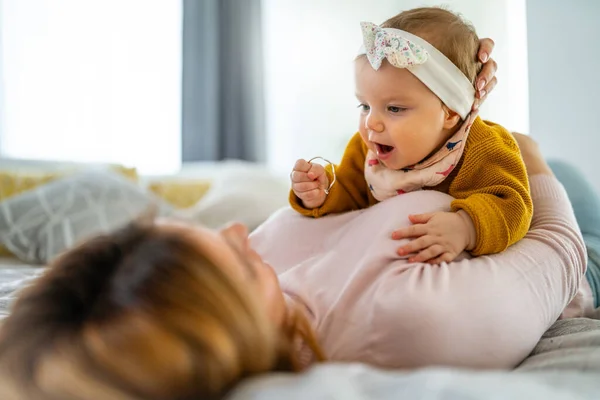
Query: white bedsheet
point(14, 263)
point(358, 382)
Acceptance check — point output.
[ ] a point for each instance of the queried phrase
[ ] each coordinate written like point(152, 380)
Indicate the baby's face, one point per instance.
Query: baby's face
point(401, 120)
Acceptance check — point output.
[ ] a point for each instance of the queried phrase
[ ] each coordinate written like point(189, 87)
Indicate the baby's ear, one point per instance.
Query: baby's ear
point(451, 118)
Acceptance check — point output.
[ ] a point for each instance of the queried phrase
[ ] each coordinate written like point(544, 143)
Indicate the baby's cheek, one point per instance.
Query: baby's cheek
point(363, 132)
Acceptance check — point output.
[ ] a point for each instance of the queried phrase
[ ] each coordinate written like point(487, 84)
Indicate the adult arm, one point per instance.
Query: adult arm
point(486, 312)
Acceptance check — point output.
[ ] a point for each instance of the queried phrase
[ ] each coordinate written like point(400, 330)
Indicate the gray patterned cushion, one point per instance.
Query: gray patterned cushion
point(38, 225)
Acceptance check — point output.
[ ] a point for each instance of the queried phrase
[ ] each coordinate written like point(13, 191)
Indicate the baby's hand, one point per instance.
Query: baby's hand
point(309, 182)
point(439, 237)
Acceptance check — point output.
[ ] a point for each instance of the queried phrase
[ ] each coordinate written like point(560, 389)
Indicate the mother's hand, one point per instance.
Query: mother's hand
point(486, 80)
point(532, 156)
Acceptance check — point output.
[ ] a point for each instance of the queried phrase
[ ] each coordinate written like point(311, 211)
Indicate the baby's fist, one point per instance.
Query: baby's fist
point(309, 182)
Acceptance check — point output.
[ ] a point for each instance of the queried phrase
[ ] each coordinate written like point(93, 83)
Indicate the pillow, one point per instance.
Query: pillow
point(245, 193)
point(39, 224)
point(17, 180)
point(180, 193)
point(13, 182)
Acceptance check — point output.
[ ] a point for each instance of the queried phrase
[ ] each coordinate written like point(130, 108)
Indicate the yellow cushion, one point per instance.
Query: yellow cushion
point(16, 182)
point(13, 183)
point(180, 194)
point(129, 173)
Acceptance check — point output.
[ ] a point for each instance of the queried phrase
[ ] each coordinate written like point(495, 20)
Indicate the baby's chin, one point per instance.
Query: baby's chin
point(395, 164)
point(392, 159)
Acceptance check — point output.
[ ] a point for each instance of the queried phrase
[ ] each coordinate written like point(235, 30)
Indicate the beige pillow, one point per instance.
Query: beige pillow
point(180, 194)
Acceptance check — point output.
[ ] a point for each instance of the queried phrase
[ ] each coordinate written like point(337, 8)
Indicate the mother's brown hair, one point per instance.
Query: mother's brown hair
point(139, 314)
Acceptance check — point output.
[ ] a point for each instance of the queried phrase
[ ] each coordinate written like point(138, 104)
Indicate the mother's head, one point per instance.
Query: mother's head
point(154, 311)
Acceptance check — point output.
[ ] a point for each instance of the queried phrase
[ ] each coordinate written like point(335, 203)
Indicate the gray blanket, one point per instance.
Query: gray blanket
point(569, 344)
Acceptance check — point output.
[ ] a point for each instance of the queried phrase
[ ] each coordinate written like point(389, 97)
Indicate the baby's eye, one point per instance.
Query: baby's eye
point(364, 107)
point(395, 109)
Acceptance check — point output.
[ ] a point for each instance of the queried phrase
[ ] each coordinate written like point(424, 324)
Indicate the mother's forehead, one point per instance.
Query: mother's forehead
point(177, 223)
point(198, 233)
point(214, 245)
point(206, 238)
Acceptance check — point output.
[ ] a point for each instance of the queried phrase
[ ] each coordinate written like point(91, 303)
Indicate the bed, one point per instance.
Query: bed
point(564, 365)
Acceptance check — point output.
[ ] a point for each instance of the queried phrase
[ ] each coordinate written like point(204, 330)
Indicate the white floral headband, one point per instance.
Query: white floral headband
point(405, 50)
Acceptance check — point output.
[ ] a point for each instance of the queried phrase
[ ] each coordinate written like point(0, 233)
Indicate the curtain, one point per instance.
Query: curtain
point(222, 94)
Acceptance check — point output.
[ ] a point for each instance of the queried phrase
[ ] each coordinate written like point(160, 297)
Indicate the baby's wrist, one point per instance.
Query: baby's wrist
point(470, 231)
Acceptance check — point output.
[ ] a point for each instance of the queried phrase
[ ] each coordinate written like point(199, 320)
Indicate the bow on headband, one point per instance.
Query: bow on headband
point(399, 51)
point(405, 50)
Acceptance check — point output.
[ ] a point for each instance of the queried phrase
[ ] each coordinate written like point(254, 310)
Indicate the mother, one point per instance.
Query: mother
point(171, 311)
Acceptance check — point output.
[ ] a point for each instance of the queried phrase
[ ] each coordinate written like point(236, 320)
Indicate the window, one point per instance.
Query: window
point(92, 81)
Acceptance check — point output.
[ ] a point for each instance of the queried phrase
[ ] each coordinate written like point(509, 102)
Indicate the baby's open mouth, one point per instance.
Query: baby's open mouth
point(383, 148)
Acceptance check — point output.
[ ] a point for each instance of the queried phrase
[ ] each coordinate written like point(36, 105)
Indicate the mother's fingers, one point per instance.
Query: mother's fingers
point(489, 87)
point(486, 46)
point(481, 95)
point(488, 72)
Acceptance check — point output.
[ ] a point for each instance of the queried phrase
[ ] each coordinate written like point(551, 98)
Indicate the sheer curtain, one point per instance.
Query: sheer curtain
point(309, 49)
point(91, 80)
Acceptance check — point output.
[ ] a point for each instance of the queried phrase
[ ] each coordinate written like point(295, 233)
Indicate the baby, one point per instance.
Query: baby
point(415, 79)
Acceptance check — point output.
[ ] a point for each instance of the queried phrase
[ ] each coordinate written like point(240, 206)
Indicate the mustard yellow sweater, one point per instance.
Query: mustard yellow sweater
point(490, 183)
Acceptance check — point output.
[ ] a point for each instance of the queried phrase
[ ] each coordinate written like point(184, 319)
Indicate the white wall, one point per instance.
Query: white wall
point(93, 81)
point(310, 46)
point(564, 82)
